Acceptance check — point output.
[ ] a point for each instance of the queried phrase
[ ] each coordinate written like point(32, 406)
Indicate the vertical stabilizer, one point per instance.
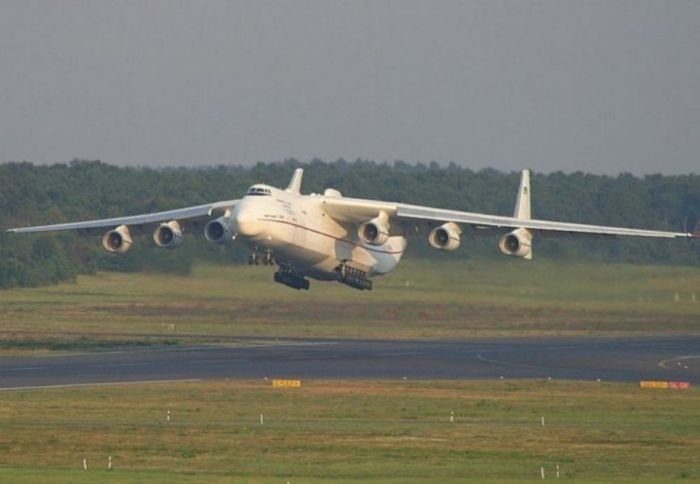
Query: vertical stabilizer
point(295, 182)
point(523, 211)
point(522, 203)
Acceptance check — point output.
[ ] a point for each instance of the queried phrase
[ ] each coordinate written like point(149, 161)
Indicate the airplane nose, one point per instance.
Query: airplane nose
point(244, 221)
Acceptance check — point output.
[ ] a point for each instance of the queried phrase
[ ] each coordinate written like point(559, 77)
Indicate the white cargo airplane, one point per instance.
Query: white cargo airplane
point(330, 237)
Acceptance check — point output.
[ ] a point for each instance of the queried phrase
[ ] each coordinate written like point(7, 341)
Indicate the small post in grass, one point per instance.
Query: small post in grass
point(557, 471)
point(109, 463)
point(85, 464)
point(167, 417)
point(542, 421)
point(262, 419)
point(452, 417)
point(542, 472)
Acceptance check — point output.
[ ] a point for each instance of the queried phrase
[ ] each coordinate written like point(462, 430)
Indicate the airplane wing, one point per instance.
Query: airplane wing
point(478, 220)
point(416, 219)
point(358, 211)
point(141, 223)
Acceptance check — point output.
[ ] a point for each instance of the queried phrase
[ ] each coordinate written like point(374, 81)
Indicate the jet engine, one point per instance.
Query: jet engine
point(375, 231)
point(168, 235)
point(218, 230)
point(517, 243)
point(117, 241)
point(445, 237)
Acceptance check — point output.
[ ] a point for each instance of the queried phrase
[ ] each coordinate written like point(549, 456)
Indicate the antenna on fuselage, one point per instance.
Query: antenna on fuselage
point(295, 182)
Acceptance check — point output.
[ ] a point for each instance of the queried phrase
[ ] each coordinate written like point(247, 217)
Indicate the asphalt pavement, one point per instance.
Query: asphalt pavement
point(607, 359)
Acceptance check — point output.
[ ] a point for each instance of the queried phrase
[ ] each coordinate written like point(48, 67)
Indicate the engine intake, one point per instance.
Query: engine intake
point(445, 237)
point(375, 231)
point(168, 235)
point(117, 241)
point(517, 243)
point(218, 230)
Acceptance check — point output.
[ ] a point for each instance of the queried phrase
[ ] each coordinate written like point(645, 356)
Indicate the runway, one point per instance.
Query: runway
point(607, 359)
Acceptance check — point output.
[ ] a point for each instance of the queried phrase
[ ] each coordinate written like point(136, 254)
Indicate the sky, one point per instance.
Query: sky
point(597, 86)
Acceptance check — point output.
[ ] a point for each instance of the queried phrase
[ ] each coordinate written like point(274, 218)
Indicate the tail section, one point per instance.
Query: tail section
point(295, 182)
point(519, 242)
point(522, 203)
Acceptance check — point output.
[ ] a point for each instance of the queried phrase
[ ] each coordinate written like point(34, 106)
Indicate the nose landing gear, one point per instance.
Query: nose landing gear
point(266, 259)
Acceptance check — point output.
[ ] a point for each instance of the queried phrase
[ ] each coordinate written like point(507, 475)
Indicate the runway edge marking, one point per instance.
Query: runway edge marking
point(96, 384)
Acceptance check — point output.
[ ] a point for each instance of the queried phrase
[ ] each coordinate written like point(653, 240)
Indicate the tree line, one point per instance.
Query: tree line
point(41, 194)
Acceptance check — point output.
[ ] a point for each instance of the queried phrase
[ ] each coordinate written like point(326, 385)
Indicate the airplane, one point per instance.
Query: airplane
point(330, 237)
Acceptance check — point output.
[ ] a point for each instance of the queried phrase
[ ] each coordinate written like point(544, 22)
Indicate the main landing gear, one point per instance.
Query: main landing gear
point(292, 279)
point(354, 278)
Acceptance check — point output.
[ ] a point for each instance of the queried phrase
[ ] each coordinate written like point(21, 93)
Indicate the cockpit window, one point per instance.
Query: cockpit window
point(259, 191)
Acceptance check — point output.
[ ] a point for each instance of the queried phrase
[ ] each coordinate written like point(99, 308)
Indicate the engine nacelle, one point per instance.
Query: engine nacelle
point(218, 230)
point(168, 235)
point(117, 241)
point(375, 231)
point(517, 243)
point(445, 237)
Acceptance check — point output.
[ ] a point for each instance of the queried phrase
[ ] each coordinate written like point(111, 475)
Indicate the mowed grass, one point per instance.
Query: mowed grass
point(374, 431)
point(421, 299)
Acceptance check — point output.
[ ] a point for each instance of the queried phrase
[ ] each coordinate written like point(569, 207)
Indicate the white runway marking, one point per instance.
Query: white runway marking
point(666, 363)
point(508, 363)
point(24, 368)
point(98, 384)
point(203, 347)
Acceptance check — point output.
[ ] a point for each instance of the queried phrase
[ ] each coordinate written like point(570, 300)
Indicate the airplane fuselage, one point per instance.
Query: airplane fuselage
point(303, 238)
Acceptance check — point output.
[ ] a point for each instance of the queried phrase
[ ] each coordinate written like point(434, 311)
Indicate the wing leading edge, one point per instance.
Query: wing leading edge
point(479, 220)
point(187, 214)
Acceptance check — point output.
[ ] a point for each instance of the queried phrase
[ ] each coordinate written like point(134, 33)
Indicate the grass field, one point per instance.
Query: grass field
point(376, 431)
point(421, 299)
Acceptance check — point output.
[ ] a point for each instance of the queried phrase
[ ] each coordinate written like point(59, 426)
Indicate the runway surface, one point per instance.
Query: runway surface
point(619, 359)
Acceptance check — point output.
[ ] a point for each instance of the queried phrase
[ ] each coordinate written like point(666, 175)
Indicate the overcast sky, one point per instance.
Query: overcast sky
point(601, 86)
